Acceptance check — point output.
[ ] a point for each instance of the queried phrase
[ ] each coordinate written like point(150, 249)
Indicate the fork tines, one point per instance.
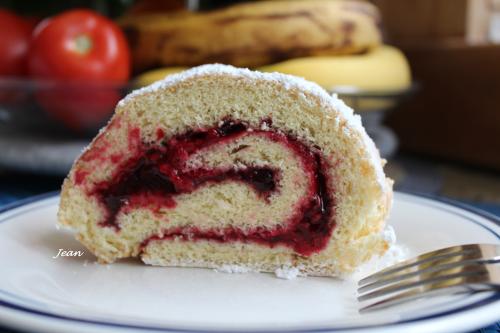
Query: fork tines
point(457, 269)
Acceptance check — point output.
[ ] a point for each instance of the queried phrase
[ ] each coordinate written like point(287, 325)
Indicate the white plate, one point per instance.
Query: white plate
point(74, 294)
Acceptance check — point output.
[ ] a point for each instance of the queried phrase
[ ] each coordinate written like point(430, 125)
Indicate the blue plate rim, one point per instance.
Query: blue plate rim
point(491, 299)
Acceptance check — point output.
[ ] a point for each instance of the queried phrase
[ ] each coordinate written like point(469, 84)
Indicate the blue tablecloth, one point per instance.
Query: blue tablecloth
point(10, 191)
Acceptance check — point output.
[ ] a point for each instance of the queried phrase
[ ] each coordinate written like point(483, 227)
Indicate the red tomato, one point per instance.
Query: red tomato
point(15, 35)
point(79, 46)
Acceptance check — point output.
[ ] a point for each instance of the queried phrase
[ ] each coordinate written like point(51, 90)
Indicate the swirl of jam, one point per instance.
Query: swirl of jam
point(154, 178)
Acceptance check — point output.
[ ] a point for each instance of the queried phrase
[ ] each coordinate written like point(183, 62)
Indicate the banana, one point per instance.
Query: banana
point(253, 34)
point(384, 69)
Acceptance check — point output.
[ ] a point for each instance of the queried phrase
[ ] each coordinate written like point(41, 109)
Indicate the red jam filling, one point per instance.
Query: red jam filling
point(155, 177)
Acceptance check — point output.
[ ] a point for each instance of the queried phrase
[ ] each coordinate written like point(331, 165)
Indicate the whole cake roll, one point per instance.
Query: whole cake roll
point(253, 34)
point(219, 166)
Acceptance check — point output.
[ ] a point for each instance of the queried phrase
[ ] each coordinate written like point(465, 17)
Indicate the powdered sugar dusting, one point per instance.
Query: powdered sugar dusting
point(288, 82)
point(234, 269)
point(288, 273)
point(285, 272)
point(389, 235)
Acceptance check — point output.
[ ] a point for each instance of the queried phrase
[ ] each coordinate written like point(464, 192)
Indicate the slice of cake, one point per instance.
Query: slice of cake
point(222, 167)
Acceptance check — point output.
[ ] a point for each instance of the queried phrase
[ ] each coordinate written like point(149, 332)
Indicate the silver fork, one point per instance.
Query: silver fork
point(453, 270)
